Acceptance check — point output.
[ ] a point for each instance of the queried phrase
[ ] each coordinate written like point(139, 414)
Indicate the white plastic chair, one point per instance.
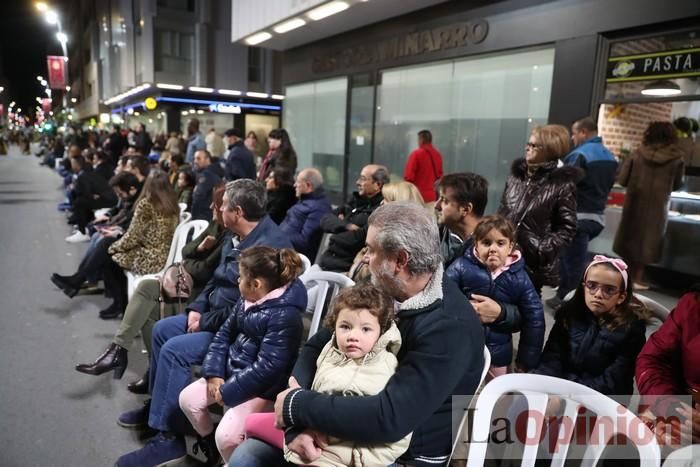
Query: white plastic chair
point(182, 232)
point(305, 261)
point(325, 283)
point(183, 207)
point(186, 217)
point(537, 389)
point(465, 417)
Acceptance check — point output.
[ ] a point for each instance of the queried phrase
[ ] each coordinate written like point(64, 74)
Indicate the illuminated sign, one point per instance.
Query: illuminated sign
point(150, 103)
point(683, 63)
point(225, 108)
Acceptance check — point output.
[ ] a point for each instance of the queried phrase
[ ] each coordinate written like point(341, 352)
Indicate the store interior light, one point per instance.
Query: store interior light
point(200, 89)
point(260, 95)
point(229, 92)
point(279, 97)
point(169, 86)
point(256, 39)
point(289, 25)
point(327, 10)
point(663, 88)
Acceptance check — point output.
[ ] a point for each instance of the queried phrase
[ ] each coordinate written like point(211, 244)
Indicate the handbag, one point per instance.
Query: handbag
point(175, 284)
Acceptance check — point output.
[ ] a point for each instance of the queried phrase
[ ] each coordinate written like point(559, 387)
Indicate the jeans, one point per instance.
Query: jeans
point(256, 453)
point(174, 353)
point(93, 277)
point(573, 259)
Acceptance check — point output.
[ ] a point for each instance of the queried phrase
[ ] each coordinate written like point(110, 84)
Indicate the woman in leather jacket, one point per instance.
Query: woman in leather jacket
point(540, 200)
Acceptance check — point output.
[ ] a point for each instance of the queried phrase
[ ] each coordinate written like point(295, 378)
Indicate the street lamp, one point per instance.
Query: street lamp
point(62, 38)
point(41, 6)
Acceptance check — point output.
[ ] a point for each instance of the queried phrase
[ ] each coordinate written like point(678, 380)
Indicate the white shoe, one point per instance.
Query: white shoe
point(78, 237)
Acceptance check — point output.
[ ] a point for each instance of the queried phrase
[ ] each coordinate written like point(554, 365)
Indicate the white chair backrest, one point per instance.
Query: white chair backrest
point(322, 247)
point(180, 238)
point(465, 417)
point(186, 217)
point(305, 261)
point(657, 309)
point(183, 207)
point(537, 389)
point(325, 282)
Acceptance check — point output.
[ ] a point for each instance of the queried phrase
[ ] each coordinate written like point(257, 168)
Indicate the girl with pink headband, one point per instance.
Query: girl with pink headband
point(597, 334)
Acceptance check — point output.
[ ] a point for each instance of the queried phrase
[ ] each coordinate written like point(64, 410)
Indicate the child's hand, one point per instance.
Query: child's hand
point(213, 385)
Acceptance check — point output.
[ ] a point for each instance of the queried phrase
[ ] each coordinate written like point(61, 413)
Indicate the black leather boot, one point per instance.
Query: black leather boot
point(111, 312)
point(113, 358)
point(140, 386)
point(207, 445)
point(70, 285)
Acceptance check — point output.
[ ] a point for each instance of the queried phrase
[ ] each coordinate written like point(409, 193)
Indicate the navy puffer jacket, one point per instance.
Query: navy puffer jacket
point(303, 222)
point(255, 349)
point(513, 286)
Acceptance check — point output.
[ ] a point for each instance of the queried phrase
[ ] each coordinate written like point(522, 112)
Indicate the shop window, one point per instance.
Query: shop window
point(173, 52)
point(314, 116)
point(479, 110)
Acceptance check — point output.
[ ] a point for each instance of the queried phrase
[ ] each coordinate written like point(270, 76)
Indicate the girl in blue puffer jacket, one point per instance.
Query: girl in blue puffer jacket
point(252, 355)
point(495, 269)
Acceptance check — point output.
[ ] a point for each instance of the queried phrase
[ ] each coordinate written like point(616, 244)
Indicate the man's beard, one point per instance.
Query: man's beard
point(388, 282)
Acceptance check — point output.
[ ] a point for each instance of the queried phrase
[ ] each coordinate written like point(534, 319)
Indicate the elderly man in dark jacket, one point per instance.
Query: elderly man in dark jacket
point(240, 162)
point(207, 179)
point(441, 355)
point(303, 220)
point(90, 191)
point(182, 341)
point(346, 223)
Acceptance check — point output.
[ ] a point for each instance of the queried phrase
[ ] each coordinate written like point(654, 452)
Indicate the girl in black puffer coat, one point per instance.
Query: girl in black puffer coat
point(251, 357)
point(540, 200)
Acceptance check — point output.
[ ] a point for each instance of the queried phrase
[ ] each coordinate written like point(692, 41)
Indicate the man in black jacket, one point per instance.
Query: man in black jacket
point(240, 162)
point(348, 221)
point(90, 192)
point(207, 179)
point(441, 355)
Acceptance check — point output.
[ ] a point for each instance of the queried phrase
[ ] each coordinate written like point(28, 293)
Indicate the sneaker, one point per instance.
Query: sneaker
point(161, 450)
point(554, 303)
point(136, 419)
point(78, 237)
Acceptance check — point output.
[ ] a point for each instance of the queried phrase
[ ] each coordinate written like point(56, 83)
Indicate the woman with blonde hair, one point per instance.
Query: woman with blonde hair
point(402, 191)
point(540, 200)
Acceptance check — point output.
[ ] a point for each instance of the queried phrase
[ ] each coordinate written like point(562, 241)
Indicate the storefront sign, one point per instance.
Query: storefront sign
point(408, 45)
point(225, 108)
point(662, 65)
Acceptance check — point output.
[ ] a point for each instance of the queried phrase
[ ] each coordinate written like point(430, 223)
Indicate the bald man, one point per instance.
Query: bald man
point(303, 220)
point(348, 223)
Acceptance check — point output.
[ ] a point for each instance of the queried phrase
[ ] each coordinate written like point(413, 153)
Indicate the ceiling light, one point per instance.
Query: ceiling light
point(41, 6)
point(169, 86)
point(261, 95)
point(51, 17)
point(327, 10)
point(199, 89)
point(279, 97)
point(258, 38)
point(229, 92)
point(289, 25)
point(662, 88)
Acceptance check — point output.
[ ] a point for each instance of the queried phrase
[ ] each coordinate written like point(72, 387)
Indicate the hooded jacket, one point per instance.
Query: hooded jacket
point(303, 222)
point(544, 204)
point(255, 349)
point(512, 286)
point(221, 292)
point(650, 174)
point(338, 374)
point(441, 355)
point(599, 166)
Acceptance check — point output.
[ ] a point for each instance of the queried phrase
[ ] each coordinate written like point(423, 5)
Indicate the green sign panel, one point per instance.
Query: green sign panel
point(672, 64)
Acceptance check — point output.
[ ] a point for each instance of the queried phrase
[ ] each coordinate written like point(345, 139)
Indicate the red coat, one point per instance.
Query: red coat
point(669, 362)
point(423, 169)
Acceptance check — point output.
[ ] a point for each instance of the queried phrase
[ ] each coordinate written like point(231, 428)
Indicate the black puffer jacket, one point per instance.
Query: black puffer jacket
point(546, 203)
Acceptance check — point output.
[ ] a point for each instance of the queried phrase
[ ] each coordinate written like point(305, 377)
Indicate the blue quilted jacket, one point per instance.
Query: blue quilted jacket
point(514, 287)
point(303, 222)
point(255, 349)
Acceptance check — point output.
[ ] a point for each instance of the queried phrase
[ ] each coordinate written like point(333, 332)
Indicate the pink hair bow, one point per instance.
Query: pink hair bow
point(617, 263)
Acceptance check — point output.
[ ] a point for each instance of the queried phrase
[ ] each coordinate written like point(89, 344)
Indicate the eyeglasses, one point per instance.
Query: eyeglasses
point(363, 179)
point(533, 146)
point(607, 290)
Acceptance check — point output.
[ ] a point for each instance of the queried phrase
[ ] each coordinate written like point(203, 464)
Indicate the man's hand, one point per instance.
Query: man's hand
point(487, 309)
point(352, 227)
point(553, 406)
point(193, 321)
point(207, 244)
point(690, 428)
point(279, 402)
point(213, 385)
point(100, 219)
point(307, 446)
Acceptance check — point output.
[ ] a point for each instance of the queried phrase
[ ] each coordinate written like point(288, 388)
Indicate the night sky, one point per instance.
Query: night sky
point(25, 41)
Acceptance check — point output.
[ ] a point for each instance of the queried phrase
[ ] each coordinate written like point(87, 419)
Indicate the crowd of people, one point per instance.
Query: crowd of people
point(436, 281)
